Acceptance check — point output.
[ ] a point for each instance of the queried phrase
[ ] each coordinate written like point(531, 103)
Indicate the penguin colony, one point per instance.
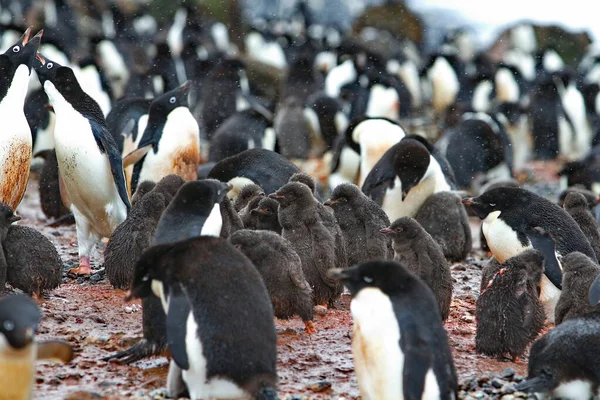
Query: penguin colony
point(238, 181)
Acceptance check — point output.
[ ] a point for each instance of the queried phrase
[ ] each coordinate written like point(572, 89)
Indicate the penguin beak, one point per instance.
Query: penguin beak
point(330, 202)
point(14, 218)
point(36, 40)
point(404, 194)
point(258, 211)
point(40, 58)
point(25, 38)
point(467, 201)
point(338, 273)
point(387, 231)
point(228, 187)
point(276, 196)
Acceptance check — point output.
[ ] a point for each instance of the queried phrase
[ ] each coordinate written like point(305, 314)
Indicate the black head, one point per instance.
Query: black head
point(148, 269)
point(403, 229)
point(575, 200)
point(19, 318)
point(293, 193)
point(343, 195)
point(204, 193)
point(388, 276)
point(21, 53)
point(171, 100)
point(306, 179)
point(266, 207)
point(499, 199)
point(411, 161)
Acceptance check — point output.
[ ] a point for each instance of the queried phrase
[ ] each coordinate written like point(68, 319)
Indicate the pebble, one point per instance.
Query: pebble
point(508, 373)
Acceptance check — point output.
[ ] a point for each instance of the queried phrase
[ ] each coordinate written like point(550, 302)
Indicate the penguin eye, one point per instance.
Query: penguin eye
point(492, 204)
point(145, 278)
point(367, 279)
point(49, 65)
point(172, 100)
point(8, 325)
point(16, 49)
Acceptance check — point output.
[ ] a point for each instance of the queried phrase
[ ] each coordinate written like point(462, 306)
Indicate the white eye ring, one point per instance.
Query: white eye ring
point(8, 325)
point(16, 49)
point(49, 65)
point(172, 100)
point(145, 278)
point(492, 204)
point(367, 279)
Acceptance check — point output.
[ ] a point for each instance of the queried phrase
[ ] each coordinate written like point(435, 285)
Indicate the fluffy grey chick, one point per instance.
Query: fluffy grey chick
point(417, 251)
point(281, 270)
point(361, 221)
point(579, 271)
point(247, 194)
point(444, 217)
point(7, 217)
point(292, 129)
point(299, 218)
point(267, 215)
point(578, 207)
point(141, 190)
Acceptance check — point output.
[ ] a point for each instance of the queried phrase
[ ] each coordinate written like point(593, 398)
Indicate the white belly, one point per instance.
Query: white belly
point(395, 207)
point(86, 174)
point(378, 359)
point(195, 378)
point(501, 238)
point(549, 295)
point(17, 371)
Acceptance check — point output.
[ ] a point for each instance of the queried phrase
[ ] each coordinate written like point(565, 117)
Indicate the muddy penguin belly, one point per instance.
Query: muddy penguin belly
point(15, 154)
point(180, 161)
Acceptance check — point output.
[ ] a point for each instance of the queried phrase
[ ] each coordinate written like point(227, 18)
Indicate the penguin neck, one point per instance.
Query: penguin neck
point(213, 224)
point(17, 89)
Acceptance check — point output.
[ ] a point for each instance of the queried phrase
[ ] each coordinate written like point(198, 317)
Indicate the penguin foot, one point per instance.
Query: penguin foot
point(140, 350)
point(320, 309)
point(309, 327)
point(84, 267)
point(517, 360)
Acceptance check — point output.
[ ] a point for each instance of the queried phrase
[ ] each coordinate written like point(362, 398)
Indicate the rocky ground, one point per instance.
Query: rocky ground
point(94, 318)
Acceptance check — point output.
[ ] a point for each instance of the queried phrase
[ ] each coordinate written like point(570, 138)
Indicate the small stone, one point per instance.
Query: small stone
point(467, 318)
point(507, 389)
point(508, 373)
point(483, 379)
point(479, 395)
point(507, 397)
point(320, 386)
point(497, 384)
point(95, 278)
point(459, 267)
point(517, 378)
point(98, 337)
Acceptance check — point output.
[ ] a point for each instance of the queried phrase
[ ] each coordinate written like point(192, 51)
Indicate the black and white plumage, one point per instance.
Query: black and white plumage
point(219, 353)
point(85, 148)
point(399, 344)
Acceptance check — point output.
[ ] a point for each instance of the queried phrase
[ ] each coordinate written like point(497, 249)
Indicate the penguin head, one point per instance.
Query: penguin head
point(404, 229)
point(575, 200)
point(169, 185)
point(411, 161)
point(169, 101)
point(388, 276)
point(343, 196)
point(148, 272)
point(19, 318)
point(306, 179)
point(7, 217)
point(293, 193)
point(59, 80)
point(248, 193)
point(200, 195)
point(246, 238)
point(21, 53)
point(497, 199)
point(266, 207)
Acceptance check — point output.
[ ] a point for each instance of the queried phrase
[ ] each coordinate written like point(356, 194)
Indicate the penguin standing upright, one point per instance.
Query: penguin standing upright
point(194, 211)
point(578, 274)
point(399, 344)
point(171, 142)
point(15, 148)
point(88, 159)
point(203, 283)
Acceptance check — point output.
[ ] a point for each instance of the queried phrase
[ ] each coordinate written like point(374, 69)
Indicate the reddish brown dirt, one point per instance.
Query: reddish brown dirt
point(95, 320)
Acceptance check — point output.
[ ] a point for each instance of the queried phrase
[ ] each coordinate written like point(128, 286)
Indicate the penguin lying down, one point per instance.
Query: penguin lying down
point(19, 319)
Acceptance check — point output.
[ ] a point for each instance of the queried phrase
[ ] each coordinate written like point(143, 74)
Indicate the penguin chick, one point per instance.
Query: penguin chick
point(232, 222)
point(15, 150)
point(281, 270)
point(49, 186)
point(267, 214)
point(361, 221)
point(302, 226)
point(7, 217)
point(34, 265)
point(578, 274)
point(221, 353)
point(591, 197)
point(578, 207)
point(142, 189)
point(169, 186)
point(19, 319)
point(417, 251)
point(88, 159)
point(399, 344)
point(249, 219)
point(564, 362)
point(131, 238)
point(508, 312)
point(444, 217)
point(307, 180)
point(247, 194)
point(293, 130)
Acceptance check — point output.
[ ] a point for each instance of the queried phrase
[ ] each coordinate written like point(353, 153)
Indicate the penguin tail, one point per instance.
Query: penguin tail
point(140, 350)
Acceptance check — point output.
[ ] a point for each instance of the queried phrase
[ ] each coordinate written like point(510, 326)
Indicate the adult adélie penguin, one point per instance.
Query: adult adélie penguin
point(15, 147)
point(89, 161)
point(171, 141)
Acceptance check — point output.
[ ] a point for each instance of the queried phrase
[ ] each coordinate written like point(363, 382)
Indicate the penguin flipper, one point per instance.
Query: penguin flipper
point(136, 155)
point(177, 316)
point(142, 349)
point(594, 292)
point(543, 242)
point(298, 279)
point(380, 178)
point(534, 385)
point(107, 144)
point(55, 350)
point(417, 360)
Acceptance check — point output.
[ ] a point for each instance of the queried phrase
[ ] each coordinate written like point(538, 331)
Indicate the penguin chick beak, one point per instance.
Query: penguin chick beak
point(258, 211)
point(387, 231)
point(40, 58)
point(14, 218)
point(330, 202)
point(467, 201)
point(337, 273)
point(276, 196)
point(26, 35)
